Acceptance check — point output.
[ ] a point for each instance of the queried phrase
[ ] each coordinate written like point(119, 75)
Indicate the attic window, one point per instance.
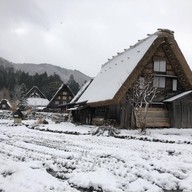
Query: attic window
point(160, 66)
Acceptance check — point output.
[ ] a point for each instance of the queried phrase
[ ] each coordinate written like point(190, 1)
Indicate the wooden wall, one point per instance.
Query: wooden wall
point(181, 112)
point(158, 117)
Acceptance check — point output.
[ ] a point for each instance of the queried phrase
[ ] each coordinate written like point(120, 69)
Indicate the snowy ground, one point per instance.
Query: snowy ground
point(65, 157)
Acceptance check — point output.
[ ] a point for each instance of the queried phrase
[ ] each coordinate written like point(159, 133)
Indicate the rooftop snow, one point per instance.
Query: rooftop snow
point(115, 72)
point(178, 96)
point(80, 92)
point(37, 101)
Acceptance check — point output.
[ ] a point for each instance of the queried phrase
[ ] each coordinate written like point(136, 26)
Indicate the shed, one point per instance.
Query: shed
point(180, 110)
point(18, 116)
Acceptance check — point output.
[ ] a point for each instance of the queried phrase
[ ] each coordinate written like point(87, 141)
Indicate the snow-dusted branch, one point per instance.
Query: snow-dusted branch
point(142, 94)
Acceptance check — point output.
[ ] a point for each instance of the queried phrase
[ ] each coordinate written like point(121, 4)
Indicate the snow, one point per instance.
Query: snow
point(119, 67)
point(8, 103)
point(178, 96)
point(37, 102)
point(80, 92)
point(53, 157)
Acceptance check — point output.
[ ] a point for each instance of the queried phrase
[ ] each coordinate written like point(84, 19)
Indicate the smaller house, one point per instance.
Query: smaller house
point(18, 116)
point(36, 99)
point(5, 105)
point(63, 96)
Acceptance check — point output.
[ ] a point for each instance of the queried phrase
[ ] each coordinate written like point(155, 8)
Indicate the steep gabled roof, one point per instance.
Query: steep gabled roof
point(58, 91)
point(118, 74)
point(81, 91)
point(37, 90)
point(5, 101)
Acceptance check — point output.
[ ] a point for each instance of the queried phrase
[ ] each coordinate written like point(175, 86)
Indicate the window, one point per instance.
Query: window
point(174, 84)
point(159, 82)
point(3, 106)
point(160, 66)
point(64, 97)
point(64, 92)
point(59, 97)
point(56, 102)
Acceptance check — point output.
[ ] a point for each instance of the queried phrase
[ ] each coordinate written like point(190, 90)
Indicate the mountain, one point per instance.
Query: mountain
point(48, 68)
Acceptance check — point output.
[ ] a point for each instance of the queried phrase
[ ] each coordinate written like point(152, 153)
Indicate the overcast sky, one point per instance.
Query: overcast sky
point(83, 34)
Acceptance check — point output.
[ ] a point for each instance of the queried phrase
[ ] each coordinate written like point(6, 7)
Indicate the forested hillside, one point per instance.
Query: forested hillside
point(11, 81)
point(49, 69)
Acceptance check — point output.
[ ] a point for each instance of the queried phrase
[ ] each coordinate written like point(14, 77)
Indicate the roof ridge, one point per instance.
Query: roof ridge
point(130, 48)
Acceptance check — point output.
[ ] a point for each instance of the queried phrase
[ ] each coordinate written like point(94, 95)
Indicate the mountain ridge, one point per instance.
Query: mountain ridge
point(50, 69)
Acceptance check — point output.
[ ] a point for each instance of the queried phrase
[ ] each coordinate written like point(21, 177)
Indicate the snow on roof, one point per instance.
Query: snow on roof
point(178, 96)
point(80, 92)
point(115, 72)
point(7, 101)
point(37, 101)
point(35, 87)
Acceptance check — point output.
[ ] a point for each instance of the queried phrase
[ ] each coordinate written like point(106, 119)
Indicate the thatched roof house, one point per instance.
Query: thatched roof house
point(5, 104)
point(158, 55)
point(36, 99)
point(62, 96)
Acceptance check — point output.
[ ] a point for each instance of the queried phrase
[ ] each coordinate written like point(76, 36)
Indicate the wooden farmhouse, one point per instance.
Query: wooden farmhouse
point(5, 105)
point(63, 96)
point(36, 99)
point(158, 56)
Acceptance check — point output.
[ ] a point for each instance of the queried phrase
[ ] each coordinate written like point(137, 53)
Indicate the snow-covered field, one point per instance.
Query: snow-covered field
point(65, 157)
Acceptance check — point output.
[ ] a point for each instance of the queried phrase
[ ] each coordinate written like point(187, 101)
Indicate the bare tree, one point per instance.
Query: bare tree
point(18, 96)
point(142, 95)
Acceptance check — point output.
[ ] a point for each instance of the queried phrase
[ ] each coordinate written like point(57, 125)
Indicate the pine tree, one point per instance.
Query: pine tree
point(74, 86)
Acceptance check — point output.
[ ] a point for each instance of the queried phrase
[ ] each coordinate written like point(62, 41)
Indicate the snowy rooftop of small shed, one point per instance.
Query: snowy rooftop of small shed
point(178, 96)
point(115, 72)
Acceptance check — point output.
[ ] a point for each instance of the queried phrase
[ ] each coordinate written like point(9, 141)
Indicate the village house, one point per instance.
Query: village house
point(5, 105)
point(18, 116)
point(63, 96)
point(158, 56)
point(36, 99)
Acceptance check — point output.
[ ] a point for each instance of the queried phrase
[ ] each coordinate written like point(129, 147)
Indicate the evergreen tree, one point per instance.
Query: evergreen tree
point(74, 86)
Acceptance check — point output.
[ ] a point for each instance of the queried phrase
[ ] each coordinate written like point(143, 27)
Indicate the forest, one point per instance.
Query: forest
point(12, 82)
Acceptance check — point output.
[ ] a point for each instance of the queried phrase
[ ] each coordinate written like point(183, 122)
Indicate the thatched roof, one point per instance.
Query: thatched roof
point(33, 90)
point(61, 88)
point(118, 74)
